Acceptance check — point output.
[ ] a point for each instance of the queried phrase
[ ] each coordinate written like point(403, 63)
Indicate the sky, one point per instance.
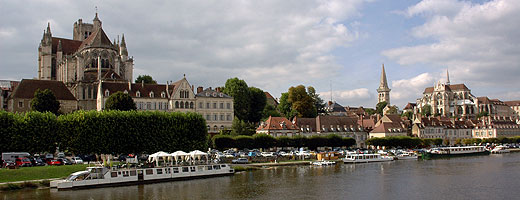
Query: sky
point(336, 46)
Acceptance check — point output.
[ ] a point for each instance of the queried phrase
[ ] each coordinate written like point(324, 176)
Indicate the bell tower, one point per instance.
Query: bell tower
point(383, 92)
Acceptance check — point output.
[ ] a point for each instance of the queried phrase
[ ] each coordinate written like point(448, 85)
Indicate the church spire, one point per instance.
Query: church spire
point(447, 77)
point(383, 91)
point(49, 28)
point(383, 83)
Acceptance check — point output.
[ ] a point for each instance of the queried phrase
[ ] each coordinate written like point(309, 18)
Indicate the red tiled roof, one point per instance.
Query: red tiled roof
point(387, 127)
point(428, 90)
point(410, 106)
point(276, 123)
point(27, 87)
point(267, 95)
point(512, 103)
point(67, 46)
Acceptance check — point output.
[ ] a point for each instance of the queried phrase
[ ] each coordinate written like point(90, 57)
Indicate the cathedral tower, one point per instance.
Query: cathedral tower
point(383, 91)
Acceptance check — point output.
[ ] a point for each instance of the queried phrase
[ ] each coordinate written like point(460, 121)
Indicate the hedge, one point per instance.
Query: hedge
point(93, 132)
point(266, 141)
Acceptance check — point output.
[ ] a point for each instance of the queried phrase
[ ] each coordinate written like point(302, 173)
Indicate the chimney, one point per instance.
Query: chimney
point(199, 89)
point(192, 88)
point(218, 89)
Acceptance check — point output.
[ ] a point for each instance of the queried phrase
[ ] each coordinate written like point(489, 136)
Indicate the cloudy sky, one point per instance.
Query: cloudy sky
point(273, 45)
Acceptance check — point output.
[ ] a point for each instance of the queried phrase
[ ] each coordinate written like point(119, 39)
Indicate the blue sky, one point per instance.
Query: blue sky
point(274, 45)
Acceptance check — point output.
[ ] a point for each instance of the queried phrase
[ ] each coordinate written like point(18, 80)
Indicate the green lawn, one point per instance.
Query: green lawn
point(40, 172)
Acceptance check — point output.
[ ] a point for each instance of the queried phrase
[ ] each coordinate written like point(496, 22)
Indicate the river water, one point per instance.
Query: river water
point(478, 177)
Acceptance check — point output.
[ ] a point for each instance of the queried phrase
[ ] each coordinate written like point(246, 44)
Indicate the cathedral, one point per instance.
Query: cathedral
point(83, 61)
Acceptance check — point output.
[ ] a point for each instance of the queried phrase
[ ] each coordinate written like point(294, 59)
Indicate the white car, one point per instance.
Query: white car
point(77, 160)
point(267, 154)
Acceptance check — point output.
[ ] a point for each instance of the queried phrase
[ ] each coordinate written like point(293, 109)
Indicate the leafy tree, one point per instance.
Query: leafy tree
point(284, 141)
point(319, 104)
point(370, 111)
point(257, 102)
point(380, 106)
point(482, 114)
point(243, 141)
point(223, 142)
point(392, 110)
point(120, 101)
point(240, 127)
point(285, 107)
point(45, 101)
point(269, 110)
point(408, 115)
point(426, 110)
point(301, 101)
point(264, 141)
point(334, 140)
point(146, 79)
point(239, 90)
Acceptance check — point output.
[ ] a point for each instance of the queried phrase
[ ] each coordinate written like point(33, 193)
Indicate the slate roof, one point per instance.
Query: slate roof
point(212, 93)
point(448, 88)
point(97, 39)
point(144, 89)
point(27, 87)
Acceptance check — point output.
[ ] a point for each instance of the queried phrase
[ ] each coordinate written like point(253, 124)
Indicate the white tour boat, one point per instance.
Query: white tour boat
point(407, 156)
point(365, 158)
point(323, 163)
point(500, 149)
point(103, 177)
point(457, 151)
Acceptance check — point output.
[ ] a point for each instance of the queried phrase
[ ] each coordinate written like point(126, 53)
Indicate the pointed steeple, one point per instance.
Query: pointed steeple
point(122, 47)
point(123, 43)
point(49, 28)
point(383, 85)
point(97, 22)
point(447, 77)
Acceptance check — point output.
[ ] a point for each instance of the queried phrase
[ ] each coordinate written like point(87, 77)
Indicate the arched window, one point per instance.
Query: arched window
point(187, 105)
point(138, 94)
point(222, 127)
point(182, 104)
point(163, 95)
point(126, 92)
point(215, 128)
point(107, 93)
point(191, 104)
point(152, 95)
point(176, 104)
point(182, 94)
point(187, 95)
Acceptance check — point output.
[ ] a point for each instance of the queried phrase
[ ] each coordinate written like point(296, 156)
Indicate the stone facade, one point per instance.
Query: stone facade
point(344, 126)
point(492, 128)
point(278, 126)
point(388, 126)
point(443, 128)
point(82, 61)
point(216, 107)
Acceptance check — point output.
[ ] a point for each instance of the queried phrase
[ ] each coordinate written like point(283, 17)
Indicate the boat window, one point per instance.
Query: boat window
point(209, 167)
point(168, 170)
point(185, 169)
point(175, 170)
point(192, 169)
point(126, 173)
point(222, 165)
point(133, 173)
point(149, 171)
point(159, 171)
point(216, 167)
point(119, 173)
point(113, 174)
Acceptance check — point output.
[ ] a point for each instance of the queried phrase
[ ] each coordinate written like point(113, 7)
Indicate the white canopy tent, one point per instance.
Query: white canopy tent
point(198, 154)
point(161, 154)
point(179, 154)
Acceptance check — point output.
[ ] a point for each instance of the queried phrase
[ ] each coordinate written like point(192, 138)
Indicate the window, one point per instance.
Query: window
point(149, 105)
point(191, 104)
point(187, 105)
point(221, 117)
point(221, 105)
point(208, 118)
point(163, 95)
point(182, 104)
point(215, 117)
point(152, 95)
point(159, 171)
point(207, 105)
point(20, 104)
point(182, 94)
point(176, 104)
point(228, 105)
point(138, 94)
point(185, 169)
point(149, 172)
point(160, 105)
point(107, 93)
point(200, 104)
point(214, 105)
point(228, 117)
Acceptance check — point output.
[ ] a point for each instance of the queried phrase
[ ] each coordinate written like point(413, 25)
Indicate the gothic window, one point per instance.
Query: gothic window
point(107, 93)
point(138, 94)
point(187, 105)
point(191, 104)
point(163, 95)
point(152, 95)
point(181, 104)
point(187, 94)
point(182, 94)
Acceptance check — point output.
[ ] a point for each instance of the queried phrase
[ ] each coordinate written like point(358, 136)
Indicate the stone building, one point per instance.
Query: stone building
point(443, 128)
point(515, 105)
point(216, 107)
point(82, 61)
point(278, 126)
point(495, 128)
point(449, 100)
point(383, 92)
point(389, 125)
point(6, 89)
point(496, 109)
point(344, 126)
point(20, 99)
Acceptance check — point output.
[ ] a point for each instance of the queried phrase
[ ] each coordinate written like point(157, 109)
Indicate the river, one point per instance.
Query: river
point(478, 177)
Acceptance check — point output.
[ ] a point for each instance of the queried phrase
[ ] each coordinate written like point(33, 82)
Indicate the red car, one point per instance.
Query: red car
point(23, 162)
point(54, 162)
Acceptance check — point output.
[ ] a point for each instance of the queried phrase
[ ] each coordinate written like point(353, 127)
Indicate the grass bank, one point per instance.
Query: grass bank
point(38, 173)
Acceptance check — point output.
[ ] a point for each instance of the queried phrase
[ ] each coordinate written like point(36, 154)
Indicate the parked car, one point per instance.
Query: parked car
point(23, 162)
point(49, 156)
point(9, 164)
point(77, 160)
point(54, 162)
point(240, 161)
point(65, 161)
point(37, 162)
point(61, 155)
point(267, 154)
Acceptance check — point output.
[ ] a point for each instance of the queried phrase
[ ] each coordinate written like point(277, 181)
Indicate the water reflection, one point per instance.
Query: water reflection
point(482, 177)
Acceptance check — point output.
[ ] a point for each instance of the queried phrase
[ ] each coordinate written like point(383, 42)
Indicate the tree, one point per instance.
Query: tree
point(319, 104)
point(380, 106)
point(392, 110)
point(240, 127)
point(257, 102)
point(268, 111)
point(285, 107)
point(146, 79)
point(426, 110)
point(239, 90)
point(120, 101)
point(408, 115)
point(370, 111)
point(301, 101)
point(45, 101)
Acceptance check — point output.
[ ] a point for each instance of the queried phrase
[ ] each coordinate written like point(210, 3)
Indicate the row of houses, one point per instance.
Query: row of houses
point(180, 96)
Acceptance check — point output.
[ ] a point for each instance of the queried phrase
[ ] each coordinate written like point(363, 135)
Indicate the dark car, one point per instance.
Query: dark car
point(122, 158)
point(65, 161)
point(54, 162)
point(37, 161)
point(23, 162)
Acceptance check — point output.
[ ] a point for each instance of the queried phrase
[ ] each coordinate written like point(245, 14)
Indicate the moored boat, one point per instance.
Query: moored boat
point(323, 163)
point(500, 149)
point(456, 151)
point(104, 177)
point(407, 156)
point(366, 158)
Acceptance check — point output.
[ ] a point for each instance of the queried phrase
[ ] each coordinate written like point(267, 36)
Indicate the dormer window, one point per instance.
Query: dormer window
point(107, 93)
point(126, 91)
point(138, 94)
point(152, 95)
point(163, 95)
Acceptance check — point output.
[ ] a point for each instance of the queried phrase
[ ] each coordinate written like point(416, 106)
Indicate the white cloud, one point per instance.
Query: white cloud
point(349, 97)
point(408, 90)
point(477, 42)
